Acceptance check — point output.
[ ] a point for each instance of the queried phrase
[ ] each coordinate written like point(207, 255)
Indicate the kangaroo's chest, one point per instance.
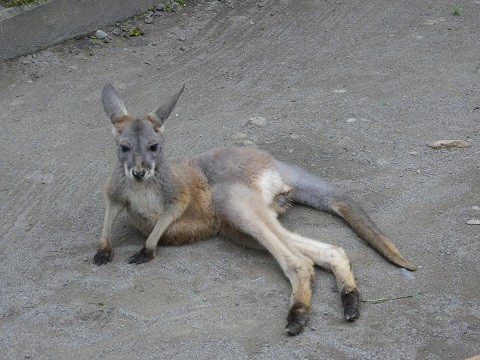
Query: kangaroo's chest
point(145, 206)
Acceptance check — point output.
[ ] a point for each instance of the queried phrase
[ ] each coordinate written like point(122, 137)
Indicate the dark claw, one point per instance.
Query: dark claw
point(103, 256)
point(141, 257)
point(350, 302)
point(297, 319)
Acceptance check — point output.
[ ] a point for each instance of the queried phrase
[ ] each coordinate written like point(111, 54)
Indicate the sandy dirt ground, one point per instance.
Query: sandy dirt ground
point(351, 91)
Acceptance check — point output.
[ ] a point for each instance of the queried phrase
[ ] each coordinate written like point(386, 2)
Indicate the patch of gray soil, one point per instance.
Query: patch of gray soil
point(406, 74)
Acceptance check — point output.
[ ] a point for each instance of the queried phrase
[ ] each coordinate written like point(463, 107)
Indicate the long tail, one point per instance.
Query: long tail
point(311, 191)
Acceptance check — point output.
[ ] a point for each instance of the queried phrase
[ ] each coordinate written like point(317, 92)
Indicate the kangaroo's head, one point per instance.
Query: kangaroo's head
point(139, 139)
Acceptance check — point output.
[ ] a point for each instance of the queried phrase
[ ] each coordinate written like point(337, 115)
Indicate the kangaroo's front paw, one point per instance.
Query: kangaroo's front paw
point(297, 319)
point(103, 256)
point(142, 256)
point(350, 302)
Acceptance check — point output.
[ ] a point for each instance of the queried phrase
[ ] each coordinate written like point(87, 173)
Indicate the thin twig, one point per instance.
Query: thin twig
point(381, 300)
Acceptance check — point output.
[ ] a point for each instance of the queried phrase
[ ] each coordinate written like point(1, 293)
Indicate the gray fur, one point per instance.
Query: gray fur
point(112, 102)
point(308, 189)
point(164, 111)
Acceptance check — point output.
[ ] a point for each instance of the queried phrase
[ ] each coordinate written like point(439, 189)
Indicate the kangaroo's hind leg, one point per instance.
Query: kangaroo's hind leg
point(314, 192)
point(334, 259)
point(240, 207)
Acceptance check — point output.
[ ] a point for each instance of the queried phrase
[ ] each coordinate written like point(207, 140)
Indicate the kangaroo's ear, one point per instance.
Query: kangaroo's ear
point(113, 103)
point(163, 112)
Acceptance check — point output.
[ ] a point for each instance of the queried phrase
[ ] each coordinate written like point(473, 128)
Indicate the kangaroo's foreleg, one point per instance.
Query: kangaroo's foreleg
point(105, 251)
point(148, 251)
point(242, 209)
point(334, 259)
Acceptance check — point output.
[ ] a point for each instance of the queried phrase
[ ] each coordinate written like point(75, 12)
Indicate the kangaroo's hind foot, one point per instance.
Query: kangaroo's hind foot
point(351, 302)
point(297, 319)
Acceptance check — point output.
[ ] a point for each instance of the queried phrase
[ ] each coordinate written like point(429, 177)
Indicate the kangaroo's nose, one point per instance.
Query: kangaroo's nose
point(138, 174)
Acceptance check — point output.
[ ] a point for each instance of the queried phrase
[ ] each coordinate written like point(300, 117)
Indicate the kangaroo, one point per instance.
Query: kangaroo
point(235, 192)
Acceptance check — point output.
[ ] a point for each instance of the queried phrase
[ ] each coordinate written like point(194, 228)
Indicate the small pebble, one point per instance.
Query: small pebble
point(407, 274)
point(257, 121)
point(148, 20)
point(117, 32)
point(99, 34)
point(473, 222)
point(238, 136)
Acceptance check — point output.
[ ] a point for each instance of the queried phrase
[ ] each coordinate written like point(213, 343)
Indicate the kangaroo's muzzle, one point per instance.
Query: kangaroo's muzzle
point(139, 175)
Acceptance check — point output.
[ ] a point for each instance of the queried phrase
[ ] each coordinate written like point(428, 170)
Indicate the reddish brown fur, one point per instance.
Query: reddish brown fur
point(120, 121)
point(154, 122)
point(199, 219)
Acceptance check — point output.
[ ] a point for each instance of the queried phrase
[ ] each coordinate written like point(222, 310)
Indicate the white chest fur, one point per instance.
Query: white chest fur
point(145, 200)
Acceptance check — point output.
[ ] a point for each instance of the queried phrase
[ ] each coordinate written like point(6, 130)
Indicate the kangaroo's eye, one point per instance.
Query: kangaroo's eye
point(153, 147)
point(124, 148)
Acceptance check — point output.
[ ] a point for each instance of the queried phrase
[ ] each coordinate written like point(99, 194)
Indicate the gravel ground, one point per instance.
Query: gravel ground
point(351, 91)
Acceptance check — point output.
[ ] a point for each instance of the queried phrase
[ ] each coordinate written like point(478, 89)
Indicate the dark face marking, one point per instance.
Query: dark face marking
point(153, 148)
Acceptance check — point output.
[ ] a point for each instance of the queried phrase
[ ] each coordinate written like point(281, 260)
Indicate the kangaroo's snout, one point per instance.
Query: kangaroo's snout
point(139, 175)
point(139, 172)
point(142, 166)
